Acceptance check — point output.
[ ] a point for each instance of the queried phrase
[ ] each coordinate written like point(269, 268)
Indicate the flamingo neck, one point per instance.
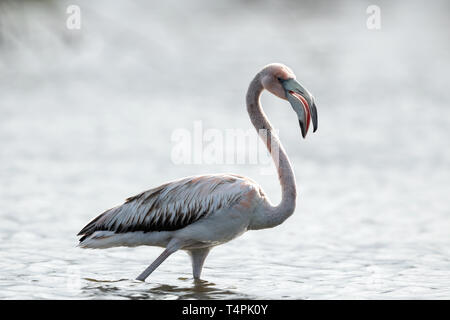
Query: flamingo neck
point(271, 216)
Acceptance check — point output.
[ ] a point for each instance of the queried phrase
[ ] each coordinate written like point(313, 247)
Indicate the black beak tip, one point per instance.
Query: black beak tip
point(302, 127)
point(314, 117)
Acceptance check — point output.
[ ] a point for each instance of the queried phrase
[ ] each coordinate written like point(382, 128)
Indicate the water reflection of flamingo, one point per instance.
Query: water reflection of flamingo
point(197, 213)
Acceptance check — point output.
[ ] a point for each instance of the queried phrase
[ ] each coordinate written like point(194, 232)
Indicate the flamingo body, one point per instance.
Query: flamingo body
point(200, 211)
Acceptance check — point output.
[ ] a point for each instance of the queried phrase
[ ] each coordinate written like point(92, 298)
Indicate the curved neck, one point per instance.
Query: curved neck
point(271, 216)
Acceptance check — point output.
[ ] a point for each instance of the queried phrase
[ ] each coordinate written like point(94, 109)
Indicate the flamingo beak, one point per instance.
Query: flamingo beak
point(303, 104)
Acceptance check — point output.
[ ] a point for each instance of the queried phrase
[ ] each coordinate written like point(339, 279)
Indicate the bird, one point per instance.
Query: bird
point(198, 213)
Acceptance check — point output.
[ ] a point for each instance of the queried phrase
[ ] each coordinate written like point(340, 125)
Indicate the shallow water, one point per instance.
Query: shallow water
point(86, 119)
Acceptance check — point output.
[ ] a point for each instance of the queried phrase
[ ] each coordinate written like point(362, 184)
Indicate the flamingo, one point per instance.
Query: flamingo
point(197, 213)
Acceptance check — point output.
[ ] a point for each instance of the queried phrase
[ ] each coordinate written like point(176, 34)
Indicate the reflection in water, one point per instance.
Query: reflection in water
point(132, 289)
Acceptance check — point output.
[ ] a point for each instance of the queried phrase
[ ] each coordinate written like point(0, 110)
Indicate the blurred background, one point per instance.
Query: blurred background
point(87, 115)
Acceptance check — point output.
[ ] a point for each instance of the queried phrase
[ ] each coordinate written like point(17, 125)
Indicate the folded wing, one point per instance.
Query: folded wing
point(172, 206)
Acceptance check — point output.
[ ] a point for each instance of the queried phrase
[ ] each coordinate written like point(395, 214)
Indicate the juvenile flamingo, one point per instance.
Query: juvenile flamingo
point(198, 213)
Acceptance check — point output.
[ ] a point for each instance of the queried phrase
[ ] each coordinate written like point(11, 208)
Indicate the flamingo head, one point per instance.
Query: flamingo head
point(280, 80)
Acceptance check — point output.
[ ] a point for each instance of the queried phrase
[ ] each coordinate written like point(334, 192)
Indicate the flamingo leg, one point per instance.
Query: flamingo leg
point(198, 257)
point(155, 264)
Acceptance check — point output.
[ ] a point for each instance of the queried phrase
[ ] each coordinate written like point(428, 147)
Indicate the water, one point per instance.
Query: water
point(86, 119)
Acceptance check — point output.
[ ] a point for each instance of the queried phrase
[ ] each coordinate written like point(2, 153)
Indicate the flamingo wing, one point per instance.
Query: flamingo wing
point(173, 205)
